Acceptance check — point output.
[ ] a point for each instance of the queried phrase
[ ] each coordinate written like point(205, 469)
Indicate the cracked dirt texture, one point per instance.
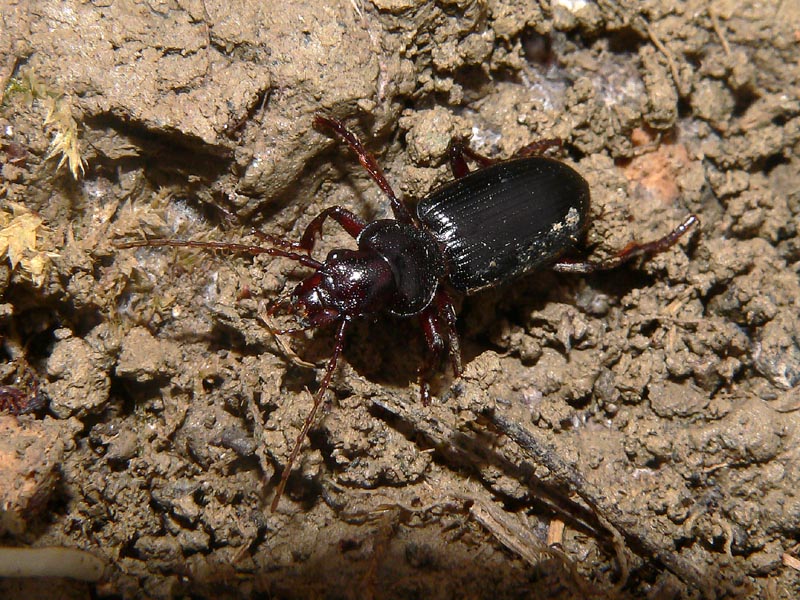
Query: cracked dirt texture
point(669, 386)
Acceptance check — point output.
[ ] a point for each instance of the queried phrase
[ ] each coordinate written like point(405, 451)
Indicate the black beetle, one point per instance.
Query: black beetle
point(482, 229)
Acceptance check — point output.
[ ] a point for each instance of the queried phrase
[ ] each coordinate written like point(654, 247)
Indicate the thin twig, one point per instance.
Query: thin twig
point(51, 562)
point(618, 523)
point(673, 67)
point(718, 30)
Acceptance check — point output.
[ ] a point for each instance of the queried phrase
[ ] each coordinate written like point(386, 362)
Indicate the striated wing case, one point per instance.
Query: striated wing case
point(506, 219)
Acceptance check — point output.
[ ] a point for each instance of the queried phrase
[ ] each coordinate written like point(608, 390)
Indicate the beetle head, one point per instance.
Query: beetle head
point(310, 302)
point(350, 283)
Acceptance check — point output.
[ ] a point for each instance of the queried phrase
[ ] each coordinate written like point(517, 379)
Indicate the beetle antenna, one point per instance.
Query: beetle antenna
point(303, 259)
point(323, 386)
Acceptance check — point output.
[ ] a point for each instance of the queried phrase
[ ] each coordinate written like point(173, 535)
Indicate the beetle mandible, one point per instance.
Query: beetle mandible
point(481, 230)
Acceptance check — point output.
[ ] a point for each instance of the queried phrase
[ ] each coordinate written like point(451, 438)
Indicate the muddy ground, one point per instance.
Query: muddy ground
point(651, 411)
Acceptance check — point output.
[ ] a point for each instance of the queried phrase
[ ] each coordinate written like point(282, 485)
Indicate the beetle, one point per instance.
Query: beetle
point(483, 229)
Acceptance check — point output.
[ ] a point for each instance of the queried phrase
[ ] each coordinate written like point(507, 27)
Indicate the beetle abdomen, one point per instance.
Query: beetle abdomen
point(502, 221)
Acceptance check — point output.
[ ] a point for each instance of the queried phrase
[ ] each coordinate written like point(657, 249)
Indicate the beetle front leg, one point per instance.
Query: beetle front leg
point(630, 251)
point(350, 222)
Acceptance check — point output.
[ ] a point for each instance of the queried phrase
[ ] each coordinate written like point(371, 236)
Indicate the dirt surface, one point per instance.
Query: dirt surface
point(624, 435)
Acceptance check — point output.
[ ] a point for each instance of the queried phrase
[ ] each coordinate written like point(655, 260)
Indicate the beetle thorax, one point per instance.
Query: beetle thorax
point(415, 261)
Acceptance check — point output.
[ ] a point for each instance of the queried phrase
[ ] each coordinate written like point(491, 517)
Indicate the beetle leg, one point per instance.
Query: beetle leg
point(459, 151)
point(445, 306)
point(435, 341)
point(540, 147)
point(351, 223)
point(323, 386)
point(630, 251)
point(400, 210)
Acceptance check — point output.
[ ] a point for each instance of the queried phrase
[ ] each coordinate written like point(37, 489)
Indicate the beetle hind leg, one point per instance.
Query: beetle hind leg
point(630, 251)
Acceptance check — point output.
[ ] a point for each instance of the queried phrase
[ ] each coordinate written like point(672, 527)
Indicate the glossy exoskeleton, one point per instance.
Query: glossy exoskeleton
point(481, 230)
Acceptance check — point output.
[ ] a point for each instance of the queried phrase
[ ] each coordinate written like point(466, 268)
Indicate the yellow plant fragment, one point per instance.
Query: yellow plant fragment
point(18, 231)
point(65, 141)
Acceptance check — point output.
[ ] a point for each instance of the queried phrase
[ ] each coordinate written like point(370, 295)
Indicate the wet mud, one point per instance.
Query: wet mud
point(626, 434)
